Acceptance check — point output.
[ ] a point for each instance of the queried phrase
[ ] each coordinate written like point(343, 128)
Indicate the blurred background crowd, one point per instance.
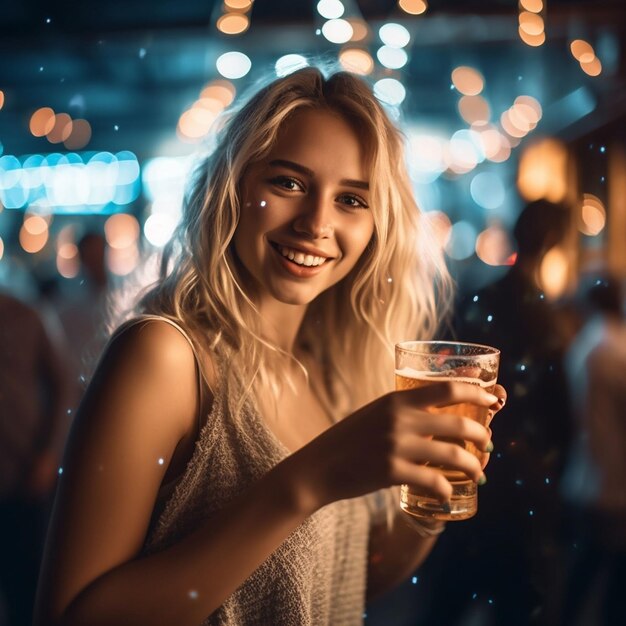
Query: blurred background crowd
point(514, 116)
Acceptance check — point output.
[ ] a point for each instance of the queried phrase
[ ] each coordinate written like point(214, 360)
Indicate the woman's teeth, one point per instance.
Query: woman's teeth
point(300, 258)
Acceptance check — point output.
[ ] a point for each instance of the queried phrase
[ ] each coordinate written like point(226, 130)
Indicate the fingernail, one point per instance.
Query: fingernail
point(489, 447)
point(445, 507)
point(482, 480)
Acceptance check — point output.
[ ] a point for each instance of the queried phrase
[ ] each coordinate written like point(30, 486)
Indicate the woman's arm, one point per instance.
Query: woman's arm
point(141, 403)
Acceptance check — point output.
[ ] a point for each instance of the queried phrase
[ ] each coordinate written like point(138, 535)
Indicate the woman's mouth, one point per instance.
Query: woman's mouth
point(297, 262)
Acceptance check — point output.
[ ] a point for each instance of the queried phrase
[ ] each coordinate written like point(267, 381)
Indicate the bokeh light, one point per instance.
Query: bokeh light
point(356, 60)
point(542, 171)
point(532, 40)
point(62, 128)
point(390, 91)
point(535, 6)
point(359, 29)
point(394, 35)
point(493, 246)
point(474, 109)
point(330, 9)
point(121, 230)
point(553, 273)
point(222, 90)
point(593, 67)
point(233, 64)
point(413, 7)
point(582, 50)
point(468, 80)
point(392, 58)
point(238, 5)
point(289, 63)
point(33, 243)
point(462, 241)
point(531, 23)
point(233, 23)
point(80, 135)
point(337, 31)
point(592, 215)
point(487, 190)
point(159, 228)
point(1, 103)
point(42, 121)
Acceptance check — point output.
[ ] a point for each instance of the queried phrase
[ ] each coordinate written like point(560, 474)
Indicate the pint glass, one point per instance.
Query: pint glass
point(420, 363)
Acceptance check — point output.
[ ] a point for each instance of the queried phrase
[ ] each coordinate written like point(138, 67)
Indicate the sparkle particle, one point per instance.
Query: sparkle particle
point(531, 512)
point(60, 470)
point(490, 600)
point(142, 53)
point(116, 127)
point(519, 77)
point(69, 411)
point(193, 594)
point(41, 68)
point(603, 149)
point(474, 596)
point(161, 461)
point(452, 87)
point(519, 482)
point(390, 280)
point(547, 481)
point(414, 580)
point(48, 20)
point(602, 179)
point(263, 203)
point(318, 31)
point(475, 299)
point(489, 318)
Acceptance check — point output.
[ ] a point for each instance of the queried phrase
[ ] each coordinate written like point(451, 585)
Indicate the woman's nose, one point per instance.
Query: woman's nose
point(315, 220)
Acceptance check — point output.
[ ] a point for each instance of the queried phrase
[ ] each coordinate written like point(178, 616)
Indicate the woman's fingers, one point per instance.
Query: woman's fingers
point(422, 477)
point(500, 393)
point(444, 425)
point(449, 455)
point(446, 393)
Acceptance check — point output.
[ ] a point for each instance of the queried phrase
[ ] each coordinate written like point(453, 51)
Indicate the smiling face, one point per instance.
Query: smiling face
point(305, 217)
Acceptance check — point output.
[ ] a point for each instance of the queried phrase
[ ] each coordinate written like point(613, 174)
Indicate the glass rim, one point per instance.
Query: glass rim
point(488, 350)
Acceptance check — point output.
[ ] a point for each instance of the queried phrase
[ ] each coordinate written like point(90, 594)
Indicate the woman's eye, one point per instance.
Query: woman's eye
point(353, 201)
point(285, 182)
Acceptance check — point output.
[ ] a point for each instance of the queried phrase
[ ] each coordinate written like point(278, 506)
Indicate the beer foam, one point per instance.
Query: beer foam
point(433, 377)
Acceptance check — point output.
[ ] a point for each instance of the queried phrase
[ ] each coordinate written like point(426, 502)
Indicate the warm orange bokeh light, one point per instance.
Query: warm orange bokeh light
point(33, 243)
point(534, 6)
point(593, 67)
point(121, 230)
point(413, 7)
point(356, 61)
point(222, 90)
point(122, 261)
point(1, 248)
point(531, 23)
point(42, 121)
point(553, 273)
point(35, 225)
point(233, 23)
point(474, 109)
point(80, 135)
point(543, 171)
point(467, 80)
point(62, 128)
point(532, 40)
point(593, 215)
point(493, 246)
point(238, 5)
point(1, 98)
point(359, 29)
point(582, 50)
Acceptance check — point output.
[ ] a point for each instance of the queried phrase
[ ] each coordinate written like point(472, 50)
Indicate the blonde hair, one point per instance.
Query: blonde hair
point(397, 290)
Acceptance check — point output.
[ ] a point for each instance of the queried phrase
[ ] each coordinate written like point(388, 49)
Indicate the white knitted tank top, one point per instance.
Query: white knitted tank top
point(316, 577)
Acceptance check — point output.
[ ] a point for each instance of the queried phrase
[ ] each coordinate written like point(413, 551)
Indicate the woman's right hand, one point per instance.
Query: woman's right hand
point(390, 441)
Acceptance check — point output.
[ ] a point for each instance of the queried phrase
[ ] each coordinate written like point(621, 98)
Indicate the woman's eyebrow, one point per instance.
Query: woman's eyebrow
point(359, 184)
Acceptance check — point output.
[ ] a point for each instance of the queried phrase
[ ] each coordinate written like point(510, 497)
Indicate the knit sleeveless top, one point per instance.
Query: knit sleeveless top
point(316, 577)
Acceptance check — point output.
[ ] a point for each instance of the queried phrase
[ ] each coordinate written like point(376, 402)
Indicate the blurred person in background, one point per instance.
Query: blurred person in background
point(509, 550)
point(33, 425)
point(594, 483)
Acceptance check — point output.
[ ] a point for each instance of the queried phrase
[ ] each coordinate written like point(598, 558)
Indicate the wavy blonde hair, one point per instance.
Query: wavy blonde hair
point(398, 290)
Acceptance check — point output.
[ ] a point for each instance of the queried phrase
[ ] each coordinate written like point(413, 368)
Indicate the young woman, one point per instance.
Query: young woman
point(222, 465)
